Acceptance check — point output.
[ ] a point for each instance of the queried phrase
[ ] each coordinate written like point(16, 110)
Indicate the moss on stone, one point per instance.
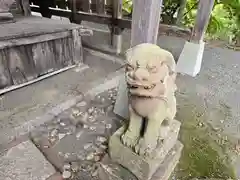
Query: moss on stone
point(202, 156)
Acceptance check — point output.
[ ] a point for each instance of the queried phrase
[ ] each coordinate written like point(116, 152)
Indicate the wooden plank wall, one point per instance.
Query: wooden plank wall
point(23, 63)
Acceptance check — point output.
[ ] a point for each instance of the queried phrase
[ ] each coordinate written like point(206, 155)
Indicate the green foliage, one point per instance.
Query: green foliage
point(224, 22)
point(127, 7)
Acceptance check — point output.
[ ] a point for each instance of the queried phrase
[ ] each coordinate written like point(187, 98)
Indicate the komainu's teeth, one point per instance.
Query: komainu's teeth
point(153, 86)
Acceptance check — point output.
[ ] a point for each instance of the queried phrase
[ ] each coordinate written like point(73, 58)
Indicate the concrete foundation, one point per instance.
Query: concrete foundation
point(190, 60)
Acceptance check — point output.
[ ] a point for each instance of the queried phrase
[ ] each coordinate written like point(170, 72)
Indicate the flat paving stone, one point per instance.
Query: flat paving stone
point(25, 162)
point(78, 137)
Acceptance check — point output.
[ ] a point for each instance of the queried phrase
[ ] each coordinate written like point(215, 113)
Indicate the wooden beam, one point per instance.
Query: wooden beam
point(203, 16)
point(145, 21)
point(108, 20)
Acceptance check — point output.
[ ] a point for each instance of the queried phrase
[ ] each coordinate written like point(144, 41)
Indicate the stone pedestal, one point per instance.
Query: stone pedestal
point(110, 170)
point(158, 166)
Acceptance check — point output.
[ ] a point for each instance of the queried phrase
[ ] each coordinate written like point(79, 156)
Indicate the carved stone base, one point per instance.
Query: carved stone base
point(108, 170)
point(142, 167)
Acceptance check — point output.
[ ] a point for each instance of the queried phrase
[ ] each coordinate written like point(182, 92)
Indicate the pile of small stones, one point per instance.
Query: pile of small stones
point(92, 118)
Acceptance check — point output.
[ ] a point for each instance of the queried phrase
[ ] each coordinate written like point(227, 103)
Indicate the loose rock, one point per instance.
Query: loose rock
point(82, 104)
point(61, 135)
point(54, 133)
point(90, 157)
point(108, 126)
point(95, 173)
point(66, 174)
point(86, 146)
point(62, 124)
point(97, 158)
point(91, 119)
point(103, 146)
point(75, 112)
point(74, 166)
point(101, 139)
point(93, 128)
point(79, 134)
point(66, 167)
point(84, 118)
point(102, 100)
point(90, 110)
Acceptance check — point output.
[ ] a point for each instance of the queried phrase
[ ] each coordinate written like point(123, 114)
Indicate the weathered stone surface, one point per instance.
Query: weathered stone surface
point(142, 167)
point(23, 162)
point(40, 46)
point(120, 107)
point(109, 170)
point(5, 17)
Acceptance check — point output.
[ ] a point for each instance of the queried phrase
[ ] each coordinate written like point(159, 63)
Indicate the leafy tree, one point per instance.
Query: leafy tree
point(224, 21)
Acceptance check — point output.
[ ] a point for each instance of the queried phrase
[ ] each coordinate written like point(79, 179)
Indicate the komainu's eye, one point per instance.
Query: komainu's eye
point(152, 69)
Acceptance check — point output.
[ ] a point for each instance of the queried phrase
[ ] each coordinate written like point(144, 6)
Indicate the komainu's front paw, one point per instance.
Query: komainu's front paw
point(129, 140)
point(144, 148)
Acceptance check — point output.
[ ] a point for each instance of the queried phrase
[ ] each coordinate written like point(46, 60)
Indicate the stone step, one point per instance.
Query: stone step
point(78, 136)
point(24, 109)
point(23, 162)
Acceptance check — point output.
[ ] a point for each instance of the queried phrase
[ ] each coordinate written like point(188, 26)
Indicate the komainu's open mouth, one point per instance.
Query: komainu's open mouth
point(133, 87)
point(150, 87)
point(141, 87)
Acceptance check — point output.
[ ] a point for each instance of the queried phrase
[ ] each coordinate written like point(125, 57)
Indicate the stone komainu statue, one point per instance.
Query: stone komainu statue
point(150, 76)
point(8, 8)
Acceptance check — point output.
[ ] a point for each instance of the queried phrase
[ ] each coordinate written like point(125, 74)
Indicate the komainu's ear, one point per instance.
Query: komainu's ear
point(168, 60)
point(129, 53)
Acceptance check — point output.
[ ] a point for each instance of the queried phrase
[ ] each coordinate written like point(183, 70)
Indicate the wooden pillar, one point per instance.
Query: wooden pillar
point(203, 16)
point(74, 11)
point(116, 32)
point(145, 21)
point(145, 25)
point(100, 6)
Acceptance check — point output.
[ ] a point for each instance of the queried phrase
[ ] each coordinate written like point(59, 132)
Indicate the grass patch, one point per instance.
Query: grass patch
point(202, 157)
